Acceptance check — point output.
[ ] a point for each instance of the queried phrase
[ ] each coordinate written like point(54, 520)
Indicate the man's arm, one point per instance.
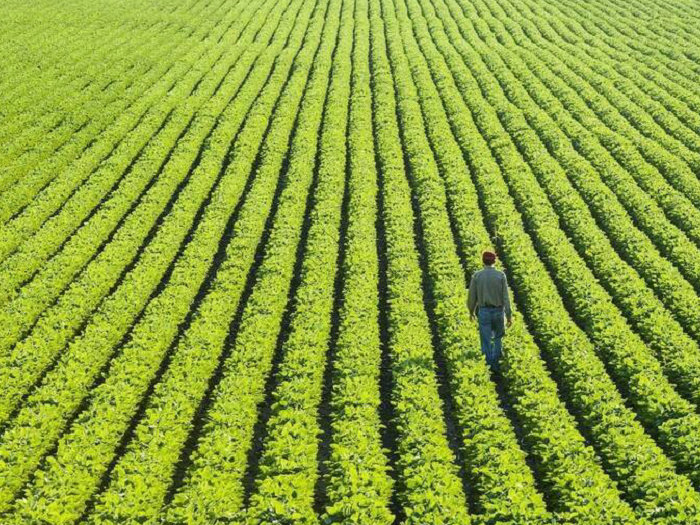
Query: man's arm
point(471, 301)
point(506, 301)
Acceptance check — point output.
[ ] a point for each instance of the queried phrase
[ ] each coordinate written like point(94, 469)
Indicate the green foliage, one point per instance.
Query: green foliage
point(235, 238)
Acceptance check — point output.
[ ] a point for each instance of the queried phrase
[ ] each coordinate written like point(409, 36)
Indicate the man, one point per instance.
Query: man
point(488, 296)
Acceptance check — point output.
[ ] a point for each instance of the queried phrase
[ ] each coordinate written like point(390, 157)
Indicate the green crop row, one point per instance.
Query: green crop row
point(654, 118)
point(34, 28)
point(594, 489)
point(621, 32)
point(66, 200)
point(37, 107)
point(357, 486)
point(615, 33)
point(654, 324)
point(632, 112)
point(674, 204)
point(567, 493)
point(52, 235)
point(677, 351)
point(32, 178)
point(151, 459)
point(26, 205)
point(584, 374)
point(286, 478)
point(213, 487)
point(236, 238)
point(490, 445)
point(79, 115)
point(67, 172)
point(54, 148)
point(26, 360)
point(629, 359)
point(670, 72)
point(541, 24)
point(113, 404)
point(72, 74)
point(65, 68)
point(60, 393)
point(429, 488)
point(676, 170)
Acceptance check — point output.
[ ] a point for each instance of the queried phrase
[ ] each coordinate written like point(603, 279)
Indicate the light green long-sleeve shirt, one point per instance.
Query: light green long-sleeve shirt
point(489, 287)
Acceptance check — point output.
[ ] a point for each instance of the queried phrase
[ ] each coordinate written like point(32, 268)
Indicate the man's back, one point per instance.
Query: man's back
point(489, 287)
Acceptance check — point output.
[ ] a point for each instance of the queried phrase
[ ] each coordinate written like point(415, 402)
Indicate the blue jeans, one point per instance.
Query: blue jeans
point(491, 330)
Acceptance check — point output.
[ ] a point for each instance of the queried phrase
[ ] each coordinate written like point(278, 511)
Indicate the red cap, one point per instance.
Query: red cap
point(488, 257)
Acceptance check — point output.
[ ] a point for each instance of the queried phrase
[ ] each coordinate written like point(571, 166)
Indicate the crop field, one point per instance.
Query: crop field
point(236, 238)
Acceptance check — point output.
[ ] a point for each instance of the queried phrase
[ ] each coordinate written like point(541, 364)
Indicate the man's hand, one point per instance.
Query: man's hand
point(472, 317)
point(509, 322)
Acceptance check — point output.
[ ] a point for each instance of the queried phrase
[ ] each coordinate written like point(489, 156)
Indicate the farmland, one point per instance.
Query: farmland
point(236, 239)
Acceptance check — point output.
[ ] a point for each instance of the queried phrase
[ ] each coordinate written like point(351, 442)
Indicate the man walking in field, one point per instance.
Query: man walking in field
point(488, 297)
